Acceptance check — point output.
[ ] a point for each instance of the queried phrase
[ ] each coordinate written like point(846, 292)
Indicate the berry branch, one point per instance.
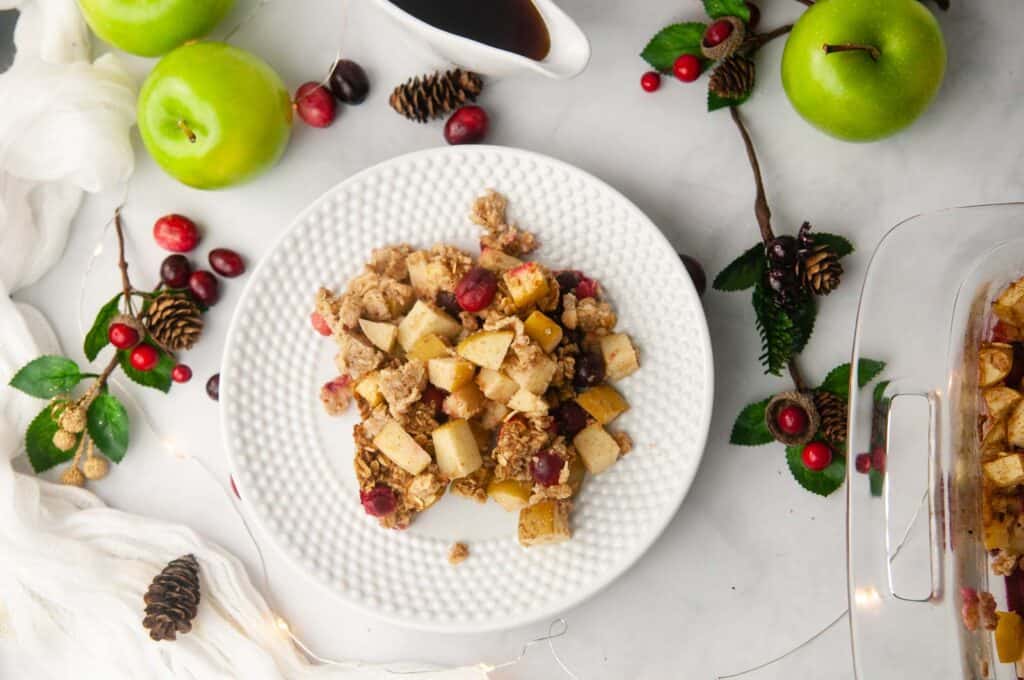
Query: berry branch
point(761, 210)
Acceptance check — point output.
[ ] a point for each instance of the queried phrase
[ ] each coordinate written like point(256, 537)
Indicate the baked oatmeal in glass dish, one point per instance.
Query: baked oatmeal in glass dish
point(490, 377)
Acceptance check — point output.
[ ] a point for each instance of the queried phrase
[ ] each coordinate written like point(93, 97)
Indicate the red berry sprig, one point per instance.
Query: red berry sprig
point(650, 81)
point(686, 68)
point(817, 456)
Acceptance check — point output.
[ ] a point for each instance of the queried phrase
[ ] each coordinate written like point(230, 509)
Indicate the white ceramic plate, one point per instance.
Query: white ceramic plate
point(294, 463)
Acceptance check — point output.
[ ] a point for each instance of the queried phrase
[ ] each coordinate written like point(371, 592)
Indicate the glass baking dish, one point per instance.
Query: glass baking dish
point(914, 522)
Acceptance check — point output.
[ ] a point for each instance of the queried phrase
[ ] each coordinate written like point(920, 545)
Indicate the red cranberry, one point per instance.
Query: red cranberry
point(792, 420)
point(476, 289)
point(878, 458)
point(1004, 332)
point(320, 324)
point(434, 396)
point(586, 288)
point(696, 272)
point(227, 262)
point(569, 419)
point(176, 233)
point(144, 358)
point(568, 280)
point(717, 32)
point(315, 105)
point(589, 370)
point(122, 336)
point(468, 125)
point(650, 81)
point(181, 373)
point(213, 387)
point(546, 468)
point(175, 270)
point(686, 68)
point(348, 82)
point(204, 287)
point(447, 301)
point(817, 456)
point(863, 463)
point(378, 501)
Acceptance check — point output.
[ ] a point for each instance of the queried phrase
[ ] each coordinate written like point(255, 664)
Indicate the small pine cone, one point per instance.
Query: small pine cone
point(425, 97)
point(832, 409)
point(730, 45)
point(172, 599)
point(95, 467)
point(734, 77)
point(174, 320)
point(73, 476)
point(821, 270)
point(64, 440)
point(72, 419)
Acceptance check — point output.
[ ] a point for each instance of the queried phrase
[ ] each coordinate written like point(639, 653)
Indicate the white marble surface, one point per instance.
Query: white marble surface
point(751, 565)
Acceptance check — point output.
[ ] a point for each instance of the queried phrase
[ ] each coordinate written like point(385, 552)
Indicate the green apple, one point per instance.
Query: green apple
point(213, 115)
point(863, 69)
point(150, 28)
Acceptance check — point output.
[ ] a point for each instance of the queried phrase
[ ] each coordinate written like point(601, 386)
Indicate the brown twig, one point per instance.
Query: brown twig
point(796, 375)
point(806, 2)
point(761, 39)
point(122, 264)
point(761, 210)
point(871, 50)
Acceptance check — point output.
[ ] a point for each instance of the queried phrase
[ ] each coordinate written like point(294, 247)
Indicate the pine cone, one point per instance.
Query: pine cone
point(832, 409)
point(173, 599)
point(820, 270)
point(425, 97)
point(174, 320)
point(734, 77)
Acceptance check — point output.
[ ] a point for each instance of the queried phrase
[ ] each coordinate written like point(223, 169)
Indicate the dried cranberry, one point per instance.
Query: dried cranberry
point(204, 287)
point(447, 301)
point(434, 397)
point(568, 280)
point(546, 468)
point(320, 324)
point(476, 289)
point(589, 370)
point(378, 501)
point(227, 262)
point(569, 419)
point(175, 270)
point(586, 288)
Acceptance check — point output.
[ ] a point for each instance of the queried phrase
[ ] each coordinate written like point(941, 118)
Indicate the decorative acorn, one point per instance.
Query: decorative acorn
point(425, 97)
point(728, 46)
point(832, 409)
point(172, 599)
point(72, 476)
point(174, 321)
point(733, 78)
point(95, 467)
point(72, 419)
point(802, 400)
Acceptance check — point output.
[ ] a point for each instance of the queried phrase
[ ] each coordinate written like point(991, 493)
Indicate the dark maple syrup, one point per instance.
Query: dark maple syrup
point(512, 25)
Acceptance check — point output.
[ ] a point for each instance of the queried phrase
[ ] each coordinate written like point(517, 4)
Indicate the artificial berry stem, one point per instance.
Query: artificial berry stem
point(806, 2)
point(122, 264)
point(872, 51)
point(796, 375)
point(761, 210)
point(761, 39)
point(188, 131)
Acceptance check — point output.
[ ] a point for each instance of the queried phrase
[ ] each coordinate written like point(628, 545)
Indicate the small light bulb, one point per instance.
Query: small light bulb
point(282, 624)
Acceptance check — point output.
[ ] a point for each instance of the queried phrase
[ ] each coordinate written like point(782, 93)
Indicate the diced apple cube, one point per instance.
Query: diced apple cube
point(597, 448)
point(1006, 471)
point(577, 472)
point(544, 523)
point(526, 401)
point(1000, 399)
point(620, 357)
point(1009, 636)
point(417, 265)
point(369, 389)
point(1015, 426)
point(496, 385)
point(995, 436)
point(422, 319)
point(456, 449)
point(534, 376)
point(449, 373)
point(1009, 306)
point(399, 446)
point(997, 535)
point(429, 346)
point(603, 402)
point(380, 333)
point(464, 402)
point(543, 331)
point(492, 413)
point(526, 283)
point(510, 494)
point(495, 260)
point(482, 436)
point(994, 363)
point(486, 348)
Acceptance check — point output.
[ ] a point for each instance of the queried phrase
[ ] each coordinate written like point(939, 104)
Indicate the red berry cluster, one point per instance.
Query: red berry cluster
point(866, 462)
point(793, 420)
point(687, 67)
point(316, 103)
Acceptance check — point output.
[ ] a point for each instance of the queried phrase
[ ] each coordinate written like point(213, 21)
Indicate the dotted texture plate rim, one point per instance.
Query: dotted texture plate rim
point(301, 487)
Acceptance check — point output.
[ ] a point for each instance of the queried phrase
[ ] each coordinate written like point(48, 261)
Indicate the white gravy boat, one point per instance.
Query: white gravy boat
point(568, 56)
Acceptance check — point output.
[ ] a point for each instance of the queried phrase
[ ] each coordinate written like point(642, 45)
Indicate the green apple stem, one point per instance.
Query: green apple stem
point(872, 51)
point(187, 130)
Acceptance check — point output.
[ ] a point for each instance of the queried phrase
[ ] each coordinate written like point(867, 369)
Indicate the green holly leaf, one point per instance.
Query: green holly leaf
point(39, 443)
point(727, 8)
point(875, 480)
point(716, 102)
point(879, 394)
point(743, 272)
point(47, 376)
point(838, 379)
point(750, 428)
point(673, 41)
point(821, 483)
point(96, 338)
point(107, 422)
point(159, 378)
point(841, 246)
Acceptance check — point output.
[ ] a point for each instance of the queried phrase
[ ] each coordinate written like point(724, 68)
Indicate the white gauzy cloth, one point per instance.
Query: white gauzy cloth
point(73, 571)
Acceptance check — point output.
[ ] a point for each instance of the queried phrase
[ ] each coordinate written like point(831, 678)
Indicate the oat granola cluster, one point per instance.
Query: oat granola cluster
point(489, 378)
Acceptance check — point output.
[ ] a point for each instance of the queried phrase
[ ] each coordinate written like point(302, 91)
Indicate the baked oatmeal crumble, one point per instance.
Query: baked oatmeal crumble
point(336, 395)
point(458, 553)
point(489, 211)
point(403, 386)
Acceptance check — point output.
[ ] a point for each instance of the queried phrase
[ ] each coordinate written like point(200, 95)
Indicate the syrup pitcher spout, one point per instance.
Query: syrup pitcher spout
point(510, 36)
